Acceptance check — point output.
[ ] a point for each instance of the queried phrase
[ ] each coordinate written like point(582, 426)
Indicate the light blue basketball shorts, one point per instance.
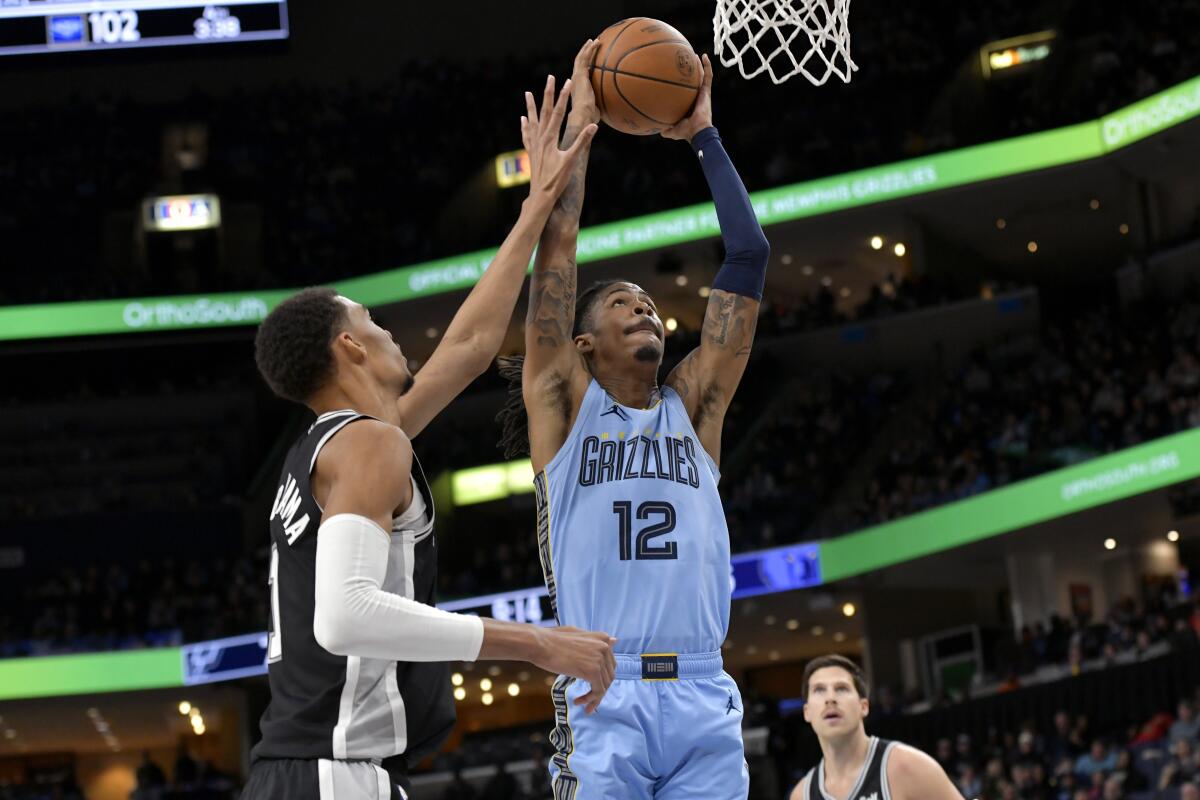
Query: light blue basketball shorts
point(669, 728)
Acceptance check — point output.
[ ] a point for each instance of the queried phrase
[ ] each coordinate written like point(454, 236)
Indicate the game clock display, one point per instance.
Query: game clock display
point(52, 26)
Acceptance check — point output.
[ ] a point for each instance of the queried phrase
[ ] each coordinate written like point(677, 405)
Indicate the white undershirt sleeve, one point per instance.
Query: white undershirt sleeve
point(354, 616)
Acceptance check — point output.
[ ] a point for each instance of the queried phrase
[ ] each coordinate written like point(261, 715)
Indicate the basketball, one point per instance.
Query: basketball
point(645, 75)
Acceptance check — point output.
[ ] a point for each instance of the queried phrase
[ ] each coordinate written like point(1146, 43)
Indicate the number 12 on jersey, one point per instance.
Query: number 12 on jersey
point(644, 549)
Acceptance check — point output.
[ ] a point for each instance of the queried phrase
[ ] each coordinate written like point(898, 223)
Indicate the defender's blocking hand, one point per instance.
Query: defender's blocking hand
point(540, 132)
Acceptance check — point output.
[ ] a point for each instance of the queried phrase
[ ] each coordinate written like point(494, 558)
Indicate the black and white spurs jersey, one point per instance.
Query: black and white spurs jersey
point(872, 781)
point(345, 707)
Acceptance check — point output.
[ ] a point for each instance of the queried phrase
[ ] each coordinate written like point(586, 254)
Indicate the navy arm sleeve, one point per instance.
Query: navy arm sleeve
point(746, 247)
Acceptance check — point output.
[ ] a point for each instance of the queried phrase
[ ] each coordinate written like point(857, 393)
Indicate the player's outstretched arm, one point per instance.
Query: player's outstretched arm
point(708, 377)
point(474, 335)
point(364, 473)
point(554, 379)
point(913, 775)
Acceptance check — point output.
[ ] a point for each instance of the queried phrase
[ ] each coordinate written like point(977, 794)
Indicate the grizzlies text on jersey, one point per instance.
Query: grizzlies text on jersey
point(631, 529)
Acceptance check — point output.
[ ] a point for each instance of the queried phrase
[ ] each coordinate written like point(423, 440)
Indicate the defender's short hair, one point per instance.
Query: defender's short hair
point(292, 346)
point(856, 673)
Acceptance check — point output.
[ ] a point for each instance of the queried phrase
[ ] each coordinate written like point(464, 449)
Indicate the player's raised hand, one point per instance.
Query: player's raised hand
point(583, 97)
point(549, 166)
point(586, 655)
point(701, 116)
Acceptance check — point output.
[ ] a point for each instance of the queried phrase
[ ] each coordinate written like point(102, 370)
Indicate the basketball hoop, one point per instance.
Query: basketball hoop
point(764, 36)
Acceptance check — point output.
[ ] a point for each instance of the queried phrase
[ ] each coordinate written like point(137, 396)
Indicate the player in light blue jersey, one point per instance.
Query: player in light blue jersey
point(631, 530)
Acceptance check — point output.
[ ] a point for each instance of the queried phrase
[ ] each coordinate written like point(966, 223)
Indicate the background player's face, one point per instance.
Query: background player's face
point(385, 360)
point(834, 707)
point(624, 325)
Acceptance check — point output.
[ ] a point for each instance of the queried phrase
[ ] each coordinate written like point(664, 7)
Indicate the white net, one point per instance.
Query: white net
point(765, 36)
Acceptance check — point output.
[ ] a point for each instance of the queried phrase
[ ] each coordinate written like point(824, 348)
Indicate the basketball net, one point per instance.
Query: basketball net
point(764, 36)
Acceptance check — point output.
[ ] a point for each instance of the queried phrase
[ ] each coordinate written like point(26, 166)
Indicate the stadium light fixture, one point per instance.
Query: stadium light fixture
point(456, 679)
point(900, 249)
point(681, 280)
point(185, 707)
point(1032, 247)
point(876, 242)
point(513, 690)
point(487, 698)
point(1001, 223)
point(1172, 536)
point(1110, 544)
point(848, 610)
point(671, 324)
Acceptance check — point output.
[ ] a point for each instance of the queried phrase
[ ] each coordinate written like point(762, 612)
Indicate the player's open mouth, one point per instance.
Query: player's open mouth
point(831, 715)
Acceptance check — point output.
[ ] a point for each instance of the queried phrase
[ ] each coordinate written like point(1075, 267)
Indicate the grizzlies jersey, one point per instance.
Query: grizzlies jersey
point(631, 530)
point(872, 781)
point(326, 706)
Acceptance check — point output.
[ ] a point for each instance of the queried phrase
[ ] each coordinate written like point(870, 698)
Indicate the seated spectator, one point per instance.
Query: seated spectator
point(1099, 759)
point(1186, 726)
point(1182, 768)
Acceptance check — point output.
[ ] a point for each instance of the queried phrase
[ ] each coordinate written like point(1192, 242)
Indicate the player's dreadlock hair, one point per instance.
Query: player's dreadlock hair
point(292, 348)
point(514, 440)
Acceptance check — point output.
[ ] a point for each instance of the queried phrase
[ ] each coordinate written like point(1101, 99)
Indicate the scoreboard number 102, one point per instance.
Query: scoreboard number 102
point(111, 27)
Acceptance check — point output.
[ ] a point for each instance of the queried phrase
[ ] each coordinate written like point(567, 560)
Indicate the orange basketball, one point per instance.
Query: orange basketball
point(646, 76)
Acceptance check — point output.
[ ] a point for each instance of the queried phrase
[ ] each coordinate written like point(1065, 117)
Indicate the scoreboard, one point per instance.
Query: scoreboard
point(49, 26)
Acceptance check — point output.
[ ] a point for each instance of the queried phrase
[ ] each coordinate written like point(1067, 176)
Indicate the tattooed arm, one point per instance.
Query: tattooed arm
point(554, 378)
point(708, 377)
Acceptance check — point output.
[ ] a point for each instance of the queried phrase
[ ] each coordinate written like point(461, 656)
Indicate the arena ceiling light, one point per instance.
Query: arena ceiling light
point(513, 169)
point(1019, 51)
point(1172, 536)
point(185, 212)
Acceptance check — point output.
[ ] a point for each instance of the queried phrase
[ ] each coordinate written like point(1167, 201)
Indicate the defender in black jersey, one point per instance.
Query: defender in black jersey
point(357, 650)
point(856, 766)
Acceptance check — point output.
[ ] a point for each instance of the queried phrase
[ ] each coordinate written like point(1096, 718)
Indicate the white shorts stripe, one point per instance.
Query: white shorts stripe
point(385, 783)
point(325, 778)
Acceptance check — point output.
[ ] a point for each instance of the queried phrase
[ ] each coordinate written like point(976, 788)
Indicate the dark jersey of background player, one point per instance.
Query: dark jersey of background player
point(355, 644)
point(855, 766)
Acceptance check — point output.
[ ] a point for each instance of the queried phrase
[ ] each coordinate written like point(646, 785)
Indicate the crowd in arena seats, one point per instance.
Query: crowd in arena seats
point(154, 602)
point(1168, 620)
point(1093, 382)
point(1072, 762)
point(319, 166)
